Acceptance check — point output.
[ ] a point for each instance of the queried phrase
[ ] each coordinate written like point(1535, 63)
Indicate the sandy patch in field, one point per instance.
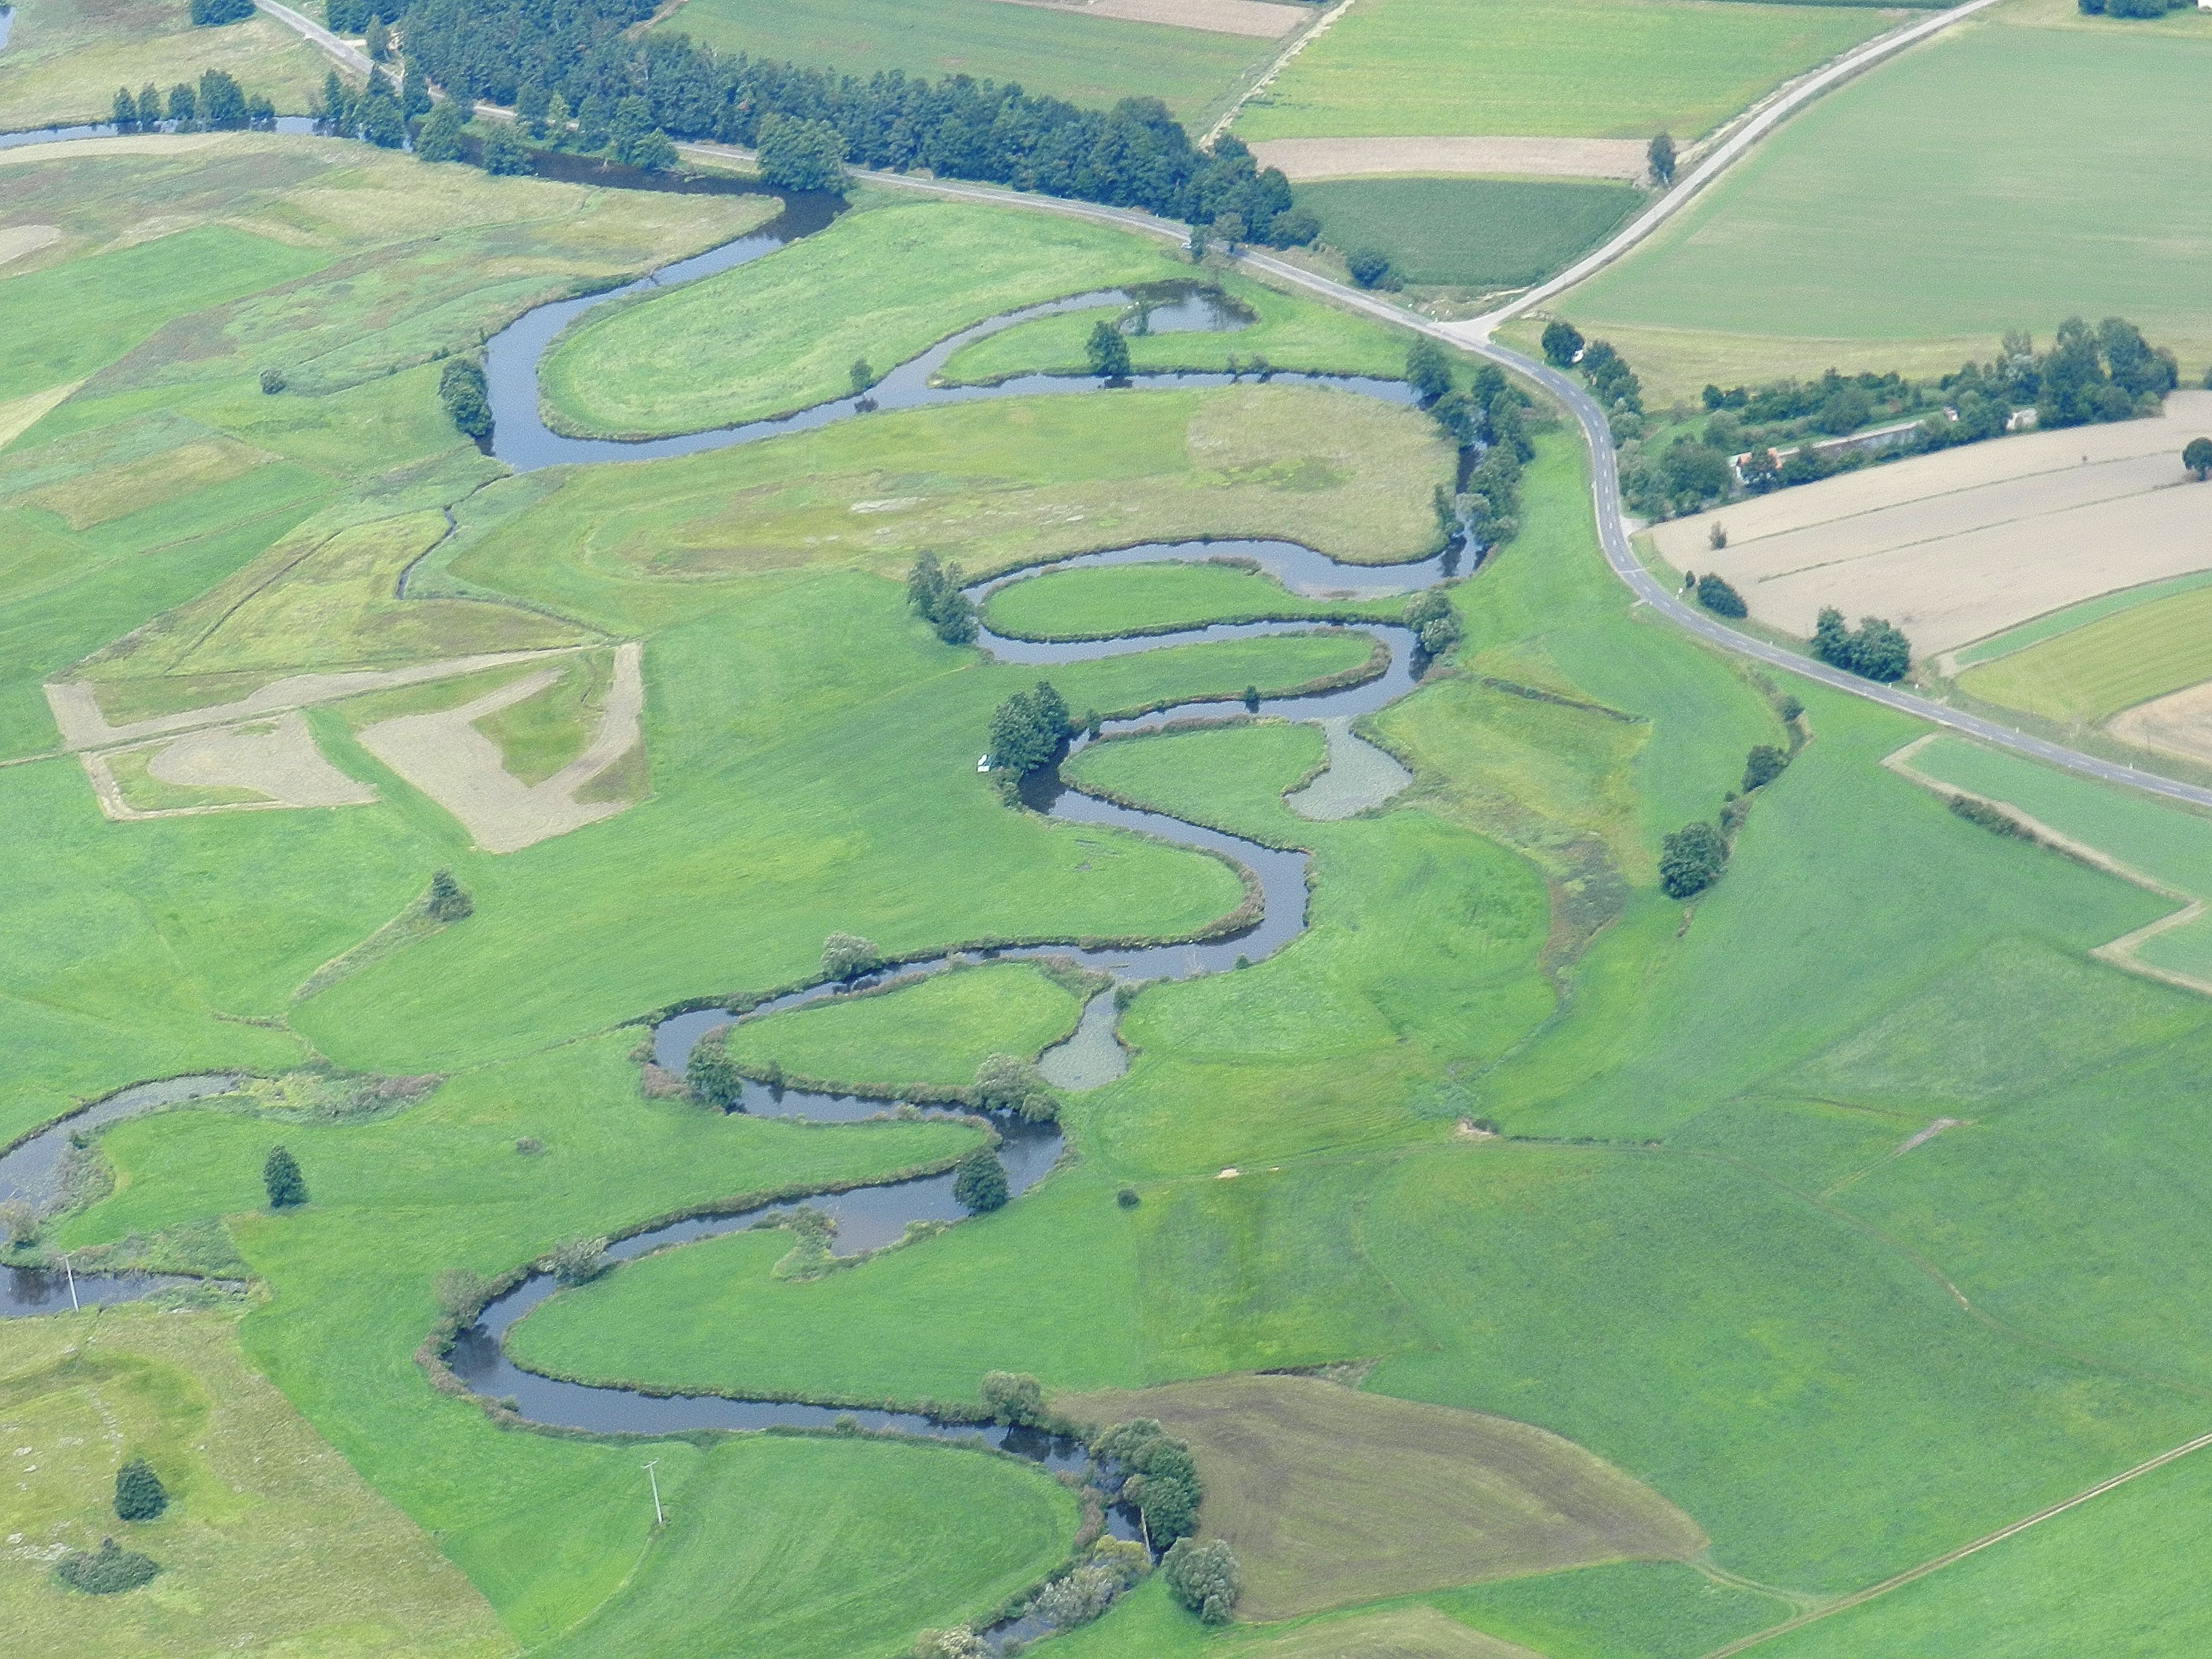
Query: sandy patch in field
point(1359, 775)
point(1305, 159)
point(445, 756)
point(1251, 17)
point(277, 760)
point(16, 240)
point(2179, 724)
point(76, 710)
point(20, 414)
point(1955, 547)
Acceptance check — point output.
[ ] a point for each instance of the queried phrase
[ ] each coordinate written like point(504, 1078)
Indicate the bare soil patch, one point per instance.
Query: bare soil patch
point(1303, 160)
point(445, 756)
point(16, 240)
point(1251, 17)
point(1956, 546)
point(1400, 1633)
point(276, 761)
point(1330, 1496)
point(1359, 775)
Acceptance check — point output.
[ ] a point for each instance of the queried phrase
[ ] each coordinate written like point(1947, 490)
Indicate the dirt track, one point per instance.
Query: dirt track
point(1305, 159)
point(1956, 546)
point(445, 756)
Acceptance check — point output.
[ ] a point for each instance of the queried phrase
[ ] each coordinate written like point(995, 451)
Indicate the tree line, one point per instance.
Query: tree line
point(216, 104)
point(527, 53)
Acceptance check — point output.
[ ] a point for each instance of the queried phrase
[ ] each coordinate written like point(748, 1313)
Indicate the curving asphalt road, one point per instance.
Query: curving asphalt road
point(1612, 527)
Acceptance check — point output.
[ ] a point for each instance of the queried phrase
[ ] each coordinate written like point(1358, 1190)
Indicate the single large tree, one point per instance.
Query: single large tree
point(799, 154)
point(1109, 352)
point(287, 1187)
point(979, 1180)
point(139, 1493)
point(1428, 370)
point(1562, 341)
point(2197, 456)
point(1691, 859)
point(1661, 157)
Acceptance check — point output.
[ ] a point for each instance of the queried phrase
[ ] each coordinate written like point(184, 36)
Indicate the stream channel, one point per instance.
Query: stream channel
point(870, 1218)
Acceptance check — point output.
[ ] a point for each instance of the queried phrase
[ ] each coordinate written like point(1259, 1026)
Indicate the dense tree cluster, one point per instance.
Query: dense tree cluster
point(1014, 1398)
point(526, 52)
point(797, 153)
point(461, 389)
point(2133, 8)
point(1371, 267)
point(1719, 595)
point(1436, 625)
point(1763, 765)
point(1028, 729)
point(1876, 648)
point(209, 13)
point(1160, 1478)
point(711, 1075)
point(933, 589)
point(1204, 1578)
point(1691, 859)
point(1007, 1083)
point(844, 956)
point(1494, 414)
point(216, 104)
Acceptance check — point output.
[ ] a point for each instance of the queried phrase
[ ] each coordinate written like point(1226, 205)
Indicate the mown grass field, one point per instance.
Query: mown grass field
point(1470, 232)
point(782, 332)
point(1087, 60)
point(2114, 662)
point(64, 59)
point(1877, 230)
point(937, 1031)
point(1088, 603)
point(1556, 69)
point(254, 1499)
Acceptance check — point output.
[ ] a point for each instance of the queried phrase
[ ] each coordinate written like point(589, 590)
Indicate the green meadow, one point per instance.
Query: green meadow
point(65, 58)
point(1876, 230)
point(783, 331)
point(1470, 232)
point(1504, 1129)
point(2090, 673)
point(1553, 68)
point(1086, 60)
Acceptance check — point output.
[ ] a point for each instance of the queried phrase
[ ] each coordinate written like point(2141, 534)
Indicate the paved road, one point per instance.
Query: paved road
point(1613, 529)
point(352, 57)
point(1763, 121)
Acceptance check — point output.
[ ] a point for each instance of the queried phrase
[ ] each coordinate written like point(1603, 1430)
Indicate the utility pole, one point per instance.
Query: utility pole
point(71, 1271)
point(659, 1519)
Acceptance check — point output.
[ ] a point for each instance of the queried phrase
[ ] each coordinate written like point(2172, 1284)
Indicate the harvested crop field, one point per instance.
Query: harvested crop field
point(2180, 725)
point(1331, 1495)
point(2140, 652)
point(1303, 159)
point(1259, 18)
point(1955, 546)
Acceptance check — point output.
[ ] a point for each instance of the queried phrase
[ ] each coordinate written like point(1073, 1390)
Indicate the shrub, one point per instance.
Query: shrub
point(1292, 227)
point(1204, 1578)
point(19, 1222)
point(1434, 623)
point(1428, 370)
point(1720, 597)
point(949, 1645)
point(1660, 152)
point(933, 589)
point(459, 1292)
point(1125, 1558)
point(273, 382)
point(1109, 352)
point(1077, 1598)
point(1005, 1083)
point(1371, 268)
point(1561, 340)
point(1993, 818)
point(1128, 1198)
point(447, 902)
point(461, 389)
point(530, 1146)
point(1013, 1397)
point(1716, 537)
point(1691, 859)
point(139, 1493)
point(504, 155)
point(979, 1180)
point(845, 955)
point(111, 1571)
point(799, 155)
point(712, 1076)
point(574, 1261)
point(1762, 765)
point(280, 1174)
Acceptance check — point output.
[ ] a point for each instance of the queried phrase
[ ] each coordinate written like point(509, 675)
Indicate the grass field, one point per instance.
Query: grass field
point(2073, 616)
point(1556, 69)
point(1470, 232)
point(65, 58)
point(782, 332)
point(1087, 60)
point(1333, 1496)
point(937, 1032)
point(1877, 230)
point(1087, 603)
point(2093, 671)
point(1286, 331)
point(270, 1541)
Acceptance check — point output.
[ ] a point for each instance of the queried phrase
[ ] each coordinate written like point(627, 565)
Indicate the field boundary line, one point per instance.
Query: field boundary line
point(1267, 77)
point(1913, 1574)
point(1760, 121)
point(2121, 952)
